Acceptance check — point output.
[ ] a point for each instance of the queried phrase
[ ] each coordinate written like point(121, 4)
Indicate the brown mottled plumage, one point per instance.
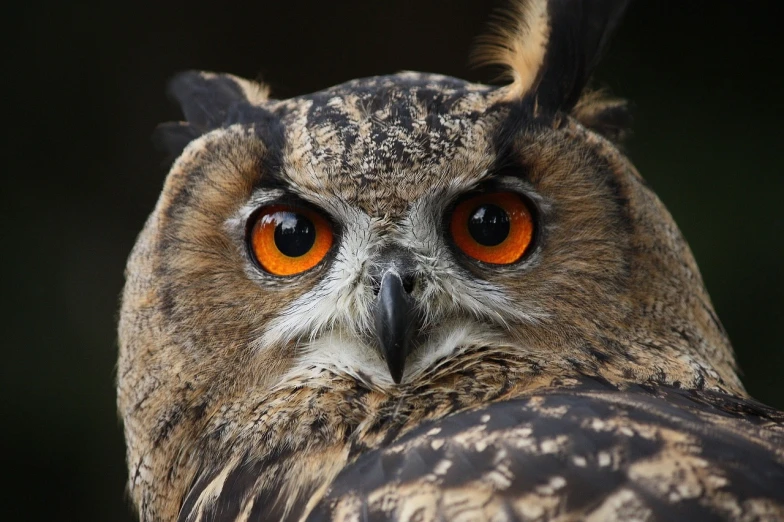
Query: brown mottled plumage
point(590, 380)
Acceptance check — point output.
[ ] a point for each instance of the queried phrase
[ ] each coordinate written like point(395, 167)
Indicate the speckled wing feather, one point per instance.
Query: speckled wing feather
point(583, 454)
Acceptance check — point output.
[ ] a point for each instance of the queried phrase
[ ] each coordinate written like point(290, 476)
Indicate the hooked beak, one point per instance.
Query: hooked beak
point(395, 323)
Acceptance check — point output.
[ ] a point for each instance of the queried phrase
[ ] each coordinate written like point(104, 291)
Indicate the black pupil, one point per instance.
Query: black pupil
point(294, 234)
point(489, 225)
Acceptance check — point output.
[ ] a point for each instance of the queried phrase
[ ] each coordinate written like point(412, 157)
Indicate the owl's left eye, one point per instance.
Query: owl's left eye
point(495, 228)
point(288, 240)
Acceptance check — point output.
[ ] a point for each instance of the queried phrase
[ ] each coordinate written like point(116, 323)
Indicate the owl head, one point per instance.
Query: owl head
point(398, 233)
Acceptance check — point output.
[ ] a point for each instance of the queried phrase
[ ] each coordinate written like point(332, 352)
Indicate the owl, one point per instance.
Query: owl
point(414, 298)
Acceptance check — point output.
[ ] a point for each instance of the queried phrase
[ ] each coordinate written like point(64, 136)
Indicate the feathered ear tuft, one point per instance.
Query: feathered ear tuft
point(517, 41)
point(610, 117)
point(208, 101)
point(550, 47)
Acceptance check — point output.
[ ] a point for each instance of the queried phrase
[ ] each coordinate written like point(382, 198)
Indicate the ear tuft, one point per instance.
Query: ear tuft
point(207, 98)
point(610, 117)
point(550, 47)
point(208, 101)
point(517, 41)
point(172, 137)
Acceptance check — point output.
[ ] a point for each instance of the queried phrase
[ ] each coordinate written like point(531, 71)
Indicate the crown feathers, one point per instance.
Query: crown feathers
point(550, 47)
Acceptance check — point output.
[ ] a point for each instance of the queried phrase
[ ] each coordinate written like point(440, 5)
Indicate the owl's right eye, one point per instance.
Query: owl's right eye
point(288, 240)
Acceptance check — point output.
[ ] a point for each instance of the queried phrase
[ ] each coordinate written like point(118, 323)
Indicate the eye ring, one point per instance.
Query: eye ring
point(495, 227)
point(286, 240)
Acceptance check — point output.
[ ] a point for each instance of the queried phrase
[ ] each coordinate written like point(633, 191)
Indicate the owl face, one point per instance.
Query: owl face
point(387, 224)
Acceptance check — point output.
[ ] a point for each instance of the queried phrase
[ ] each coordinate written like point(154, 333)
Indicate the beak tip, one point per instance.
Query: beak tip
point(395, 357)
point(396, 374)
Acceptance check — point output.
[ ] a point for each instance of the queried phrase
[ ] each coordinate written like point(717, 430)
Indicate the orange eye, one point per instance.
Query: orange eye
point(287, 240)
point(494, 228)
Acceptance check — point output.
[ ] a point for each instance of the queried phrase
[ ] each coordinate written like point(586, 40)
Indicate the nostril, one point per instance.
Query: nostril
point(408, 282)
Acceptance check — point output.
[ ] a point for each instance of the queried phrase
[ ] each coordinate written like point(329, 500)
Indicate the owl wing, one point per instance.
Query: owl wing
point(582, 454)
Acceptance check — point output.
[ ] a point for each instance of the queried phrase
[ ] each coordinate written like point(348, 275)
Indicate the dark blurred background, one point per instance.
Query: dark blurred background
point(85, 87)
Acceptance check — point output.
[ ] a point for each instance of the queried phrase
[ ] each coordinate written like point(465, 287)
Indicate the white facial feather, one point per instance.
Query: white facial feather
point(348, 355)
